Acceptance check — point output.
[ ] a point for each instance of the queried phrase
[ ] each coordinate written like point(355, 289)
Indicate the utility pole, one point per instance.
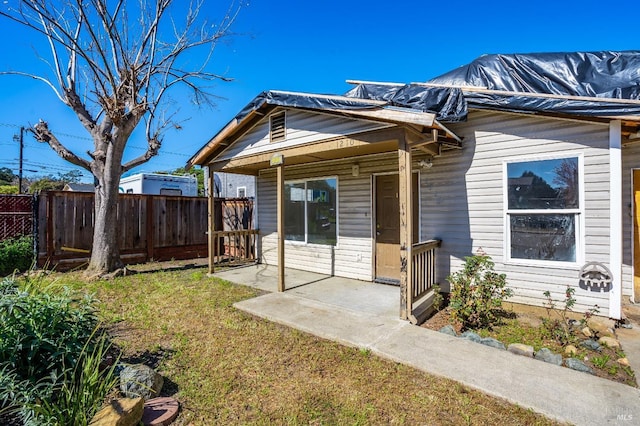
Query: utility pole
point(21, 141)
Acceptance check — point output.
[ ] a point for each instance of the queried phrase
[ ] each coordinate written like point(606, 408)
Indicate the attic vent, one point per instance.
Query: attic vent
point(277, 127)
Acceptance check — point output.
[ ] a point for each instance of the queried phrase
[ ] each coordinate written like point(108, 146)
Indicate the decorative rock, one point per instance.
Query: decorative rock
point(609, 341)
point(490, 341)
point(448, 329)
point(602, 327)
point(470, 335)
point(546, 355)
point(587, 332)
point(576, 364)
point(140, 380)
point(624, 362)
point(570, 350)
point(573, 323)
point(160, 411)
point(521, 349)
point(120, 412)
point(591, 344)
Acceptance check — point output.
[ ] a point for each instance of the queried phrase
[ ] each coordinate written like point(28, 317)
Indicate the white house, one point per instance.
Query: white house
point(535, 159)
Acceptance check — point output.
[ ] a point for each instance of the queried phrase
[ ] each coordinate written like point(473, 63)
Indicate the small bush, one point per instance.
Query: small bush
point(557, 321)
point(16, 254)
point(49, 351)
point(477, 292)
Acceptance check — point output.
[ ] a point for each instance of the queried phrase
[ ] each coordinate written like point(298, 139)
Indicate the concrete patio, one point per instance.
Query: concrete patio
point(354, 295)
point(366, 315)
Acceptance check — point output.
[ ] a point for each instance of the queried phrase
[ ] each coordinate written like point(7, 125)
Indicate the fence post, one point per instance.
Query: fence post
point(35, 208)
point(49, 231)
point(150, 228)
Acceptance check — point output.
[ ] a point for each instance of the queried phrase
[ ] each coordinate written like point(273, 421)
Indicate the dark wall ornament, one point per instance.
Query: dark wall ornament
point(595, 276)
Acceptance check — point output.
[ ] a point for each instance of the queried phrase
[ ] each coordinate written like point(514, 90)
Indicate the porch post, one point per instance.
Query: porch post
point(406, 227)
point(280, 220)
point(212, 217)
point(615, 191)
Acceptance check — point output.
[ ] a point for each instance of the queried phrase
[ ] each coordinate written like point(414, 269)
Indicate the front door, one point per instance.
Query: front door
point(387, 222)
point(636, 235)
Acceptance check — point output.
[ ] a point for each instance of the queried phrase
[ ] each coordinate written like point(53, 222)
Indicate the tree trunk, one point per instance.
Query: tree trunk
point(105, 254)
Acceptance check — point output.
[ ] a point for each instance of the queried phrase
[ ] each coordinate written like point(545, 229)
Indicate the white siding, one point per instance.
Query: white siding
point(353, 254)
point(462, 204)
point(463, 198)
point(630, 161)
point(301, 128)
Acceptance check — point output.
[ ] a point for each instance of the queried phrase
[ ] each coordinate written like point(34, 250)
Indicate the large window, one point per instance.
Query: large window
point(310, 211)
point(543, 209)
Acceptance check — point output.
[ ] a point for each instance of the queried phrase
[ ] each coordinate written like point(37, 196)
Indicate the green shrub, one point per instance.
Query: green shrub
point(48, 349)
point(16, 254)
point(81, 392)
point(477, 292)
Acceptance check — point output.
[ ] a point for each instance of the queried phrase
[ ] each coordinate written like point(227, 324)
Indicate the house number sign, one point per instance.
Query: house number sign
point(594, 276)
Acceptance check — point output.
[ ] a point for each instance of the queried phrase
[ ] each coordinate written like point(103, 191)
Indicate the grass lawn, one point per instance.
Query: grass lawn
point(227, 367)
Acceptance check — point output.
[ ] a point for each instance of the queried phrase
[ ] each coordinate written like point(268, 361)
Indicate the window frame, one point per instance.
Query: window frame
point(306, 228)
point(243, 188)
point(578, 213)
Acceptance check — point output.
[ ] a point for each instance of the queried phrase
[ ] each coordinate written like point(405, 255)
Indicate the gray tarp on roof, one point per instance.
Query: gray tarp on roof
point(603, 74)
point(303, 100)
point(580, 74)
point(446, 103)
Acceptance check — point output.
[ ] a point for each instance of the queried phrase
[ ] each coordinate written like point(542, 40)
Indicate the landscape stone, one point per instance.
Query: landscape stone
point(623, 361)
point(573, 323)
point(140, 380)
point(521, 349)
point(490, 341)
point(604, 327)
point(591, 344)
point(570, 350)
point(546, 355)
point(576, 364)
point(120, 412)
point(448, 329)
point(470, 335)
point(160, 411)
point(587, 332)
point(609, 341)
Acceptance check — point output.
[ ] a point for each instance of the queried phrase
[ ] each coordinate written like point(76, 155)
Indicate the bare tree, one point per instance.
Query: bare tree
point(114, 63)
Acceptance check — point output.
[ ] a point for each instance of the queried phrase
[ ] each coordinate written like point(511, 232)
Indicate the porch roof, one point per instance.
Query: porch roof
point(423, 125)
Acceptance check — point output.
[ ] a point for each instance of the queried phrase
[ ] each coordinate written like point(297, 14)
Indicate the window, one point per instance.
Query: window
point(543, 210)
point(310, 211)
point(242, 192)
point(170, 191)
point(277, 127)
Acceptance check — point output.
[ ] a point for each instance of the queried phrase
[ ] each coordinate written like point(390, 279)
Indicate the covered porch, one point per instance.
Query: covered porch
point(304, 157)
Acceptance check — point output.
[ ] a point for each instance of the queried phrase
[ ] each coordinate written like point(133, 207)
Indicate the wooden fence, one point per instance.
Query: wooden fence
point(150, 227)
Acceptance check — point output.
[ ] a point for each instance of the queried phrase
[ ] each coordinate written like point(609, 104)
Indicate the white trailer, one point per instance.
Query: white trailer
point(159, 184)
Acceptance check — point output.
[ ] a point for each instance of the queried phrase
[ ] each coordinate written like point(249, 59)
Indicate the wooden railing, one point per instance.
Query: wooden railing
point(424, 267)
point(235, 247)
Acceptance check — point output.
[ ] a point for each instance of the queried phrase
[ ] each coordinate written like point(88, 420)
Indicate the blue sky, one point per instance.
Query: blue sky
point(314, 47)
